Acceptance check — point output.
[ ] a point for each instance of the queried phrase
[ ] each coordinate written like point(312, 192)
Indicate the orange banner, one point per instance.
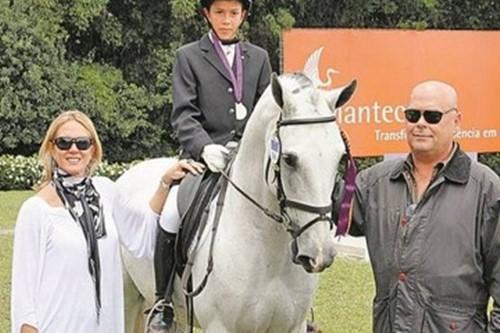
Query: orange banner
point(388, 63)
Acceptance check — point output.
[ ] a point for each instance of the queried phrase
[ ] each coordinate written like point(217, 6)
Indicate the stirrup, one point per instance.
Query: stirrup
point(160, 318)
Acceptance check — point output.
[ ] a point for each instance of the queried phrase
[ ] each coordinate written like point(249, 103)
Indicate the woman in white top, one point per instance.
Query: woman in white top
point(66, 271)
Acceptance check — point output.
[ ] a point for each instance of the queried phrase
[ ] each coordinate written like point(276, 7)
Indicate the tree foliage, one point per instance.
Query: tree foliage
point(33, 74)
point(42, 74)
point(113, 58)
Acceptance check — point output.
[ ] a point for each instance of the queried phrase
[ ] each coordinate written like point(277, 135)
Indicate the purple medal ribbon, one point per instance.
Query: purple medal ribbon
point(236, 80)
point(344, 221)
point(345, 210)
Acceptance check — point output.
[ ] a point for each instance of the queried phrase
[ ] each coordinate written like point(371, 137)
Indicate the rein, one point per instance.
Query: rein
point(268, 212)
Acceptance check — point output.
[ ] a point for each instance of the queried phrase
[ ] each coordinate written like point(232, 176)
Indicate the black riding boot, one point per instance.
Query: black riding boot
point(164, 261)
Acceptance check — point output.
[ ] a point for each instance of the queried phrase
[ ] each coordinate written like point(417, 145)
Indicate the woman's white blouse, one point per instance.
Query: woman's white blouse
point(52, 289)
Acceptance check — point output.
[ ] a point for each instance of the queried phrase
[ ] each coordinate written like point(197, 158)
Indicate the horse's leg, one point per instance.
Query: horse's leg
point(133, 302)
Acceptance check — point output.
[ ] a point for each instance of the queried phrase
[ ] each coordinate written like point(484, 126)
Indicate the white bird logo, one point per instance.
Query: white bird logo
point(311, 70)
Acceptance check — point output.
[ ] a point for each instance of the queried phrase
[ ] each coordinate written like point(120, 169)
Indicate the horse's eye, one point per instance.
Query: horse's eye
point(290, 159)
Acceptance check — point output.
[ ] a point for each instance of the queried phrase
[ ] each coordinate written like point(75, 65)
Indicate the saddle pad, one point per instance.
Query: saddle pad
point(193, 200)
point(187, 191)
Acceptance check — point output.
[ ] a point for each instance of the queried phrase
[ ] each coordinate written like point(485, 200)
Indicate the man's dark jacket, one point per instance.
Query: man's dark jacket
point(435, 262)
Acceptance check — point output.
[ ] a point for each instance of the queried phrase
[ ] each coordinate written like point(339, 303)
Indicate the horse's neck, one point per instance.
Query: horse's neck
point(248, 167)
point(248, 173)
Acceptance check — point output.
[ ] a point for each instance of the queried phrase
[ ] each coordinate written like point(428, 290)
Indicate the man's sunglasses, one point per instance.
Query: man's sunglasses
point(65, 142)
point(431, 116)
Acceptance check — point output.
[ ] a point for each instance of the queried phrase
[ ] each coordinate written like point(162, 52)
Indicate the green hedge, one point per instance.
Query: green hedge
point(492, 160)
point(21, 173)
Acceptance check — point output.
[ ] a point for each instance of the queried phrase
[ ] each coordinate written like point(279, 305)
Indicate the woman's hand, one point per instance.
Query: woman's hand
point(175, 172)
point(180, 169)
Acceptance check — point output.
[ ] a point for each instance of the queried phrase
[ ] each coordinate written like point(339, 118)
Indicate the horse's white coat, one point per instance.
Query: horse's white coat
point(255, 286)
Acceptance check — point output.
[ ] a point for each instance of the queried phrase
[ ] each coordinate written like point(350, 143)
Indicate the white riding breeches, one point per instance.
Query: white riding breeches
point(170, 219)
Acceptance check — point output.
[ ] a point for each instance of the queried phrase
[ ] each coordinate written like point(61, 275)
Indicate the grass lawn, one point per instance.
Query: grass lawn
point(9, 206)
point(10, 201)
point(342, 304)
point(344, 299)
point(5, 263)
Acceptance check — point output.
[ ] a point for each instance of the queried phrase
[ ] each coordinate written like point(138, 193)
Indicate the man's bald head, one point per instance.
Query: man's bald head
point(443, 94)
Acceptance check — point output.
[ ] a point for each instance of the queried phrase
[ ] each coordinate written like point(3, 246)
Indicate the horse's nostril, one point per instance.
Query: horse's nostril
point(312, 262)
point(307, 262)
point(315, 265)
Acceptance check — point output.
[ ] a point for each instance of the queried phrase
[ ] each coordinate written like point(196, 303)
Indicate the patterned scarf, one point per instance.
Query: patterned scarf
point(84, 204)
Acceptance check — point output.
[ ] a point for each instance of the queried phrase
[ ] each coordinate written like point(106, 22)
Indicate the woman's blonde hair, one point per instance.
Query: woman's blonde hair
point(47, 147)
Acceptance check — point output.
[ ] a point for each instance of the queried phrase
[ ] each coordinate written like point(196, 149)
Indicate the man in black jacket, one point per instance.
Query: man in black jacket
point(432, 225)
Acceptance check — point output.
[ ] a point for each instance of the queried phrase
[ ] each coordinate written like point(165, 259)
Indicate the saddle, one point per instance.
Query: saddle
point(193, 202)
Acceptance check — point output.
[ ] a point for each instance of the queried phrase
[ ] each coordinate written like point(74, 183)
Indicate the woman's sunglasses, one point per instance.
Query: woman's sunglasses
point(431, 116)
point(65, 142)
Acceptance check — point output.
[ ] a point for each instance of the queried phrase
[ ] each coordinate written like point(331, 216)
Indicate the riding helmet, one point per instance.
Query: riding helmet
point(247, 4)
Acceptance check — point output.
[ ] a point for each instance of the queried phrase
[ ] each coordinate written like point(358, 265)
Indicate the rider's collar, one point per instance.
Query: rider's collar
point(226, 42)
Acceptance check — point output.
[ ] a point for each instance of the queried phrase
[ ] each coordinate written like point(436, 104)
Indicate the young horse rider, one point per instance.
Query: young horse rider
point(216, 83)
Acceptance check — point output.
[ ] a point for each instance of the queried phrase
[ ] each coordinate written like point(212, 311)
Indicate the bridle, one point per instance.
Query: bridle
point(276, 159)
point(322, 212)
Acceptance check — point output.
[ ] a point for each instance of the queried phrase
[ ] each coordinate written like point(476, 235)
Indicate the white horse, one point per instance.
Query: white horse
point(287, 162)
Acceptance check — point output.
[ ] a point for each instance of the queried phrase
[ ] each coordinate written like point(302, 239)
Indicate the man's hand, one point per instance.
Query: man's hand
point(215, 156)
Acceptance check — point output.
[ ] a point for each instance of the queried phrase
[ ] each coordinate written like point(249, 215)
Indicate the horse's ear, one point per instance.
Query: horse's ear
point(277, 90)
point(339, 96)
point(346, 93)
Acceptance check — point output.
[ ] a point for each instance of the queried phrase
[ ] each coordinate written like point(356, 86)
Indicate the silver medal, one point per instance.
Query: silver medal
point(241, 111)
